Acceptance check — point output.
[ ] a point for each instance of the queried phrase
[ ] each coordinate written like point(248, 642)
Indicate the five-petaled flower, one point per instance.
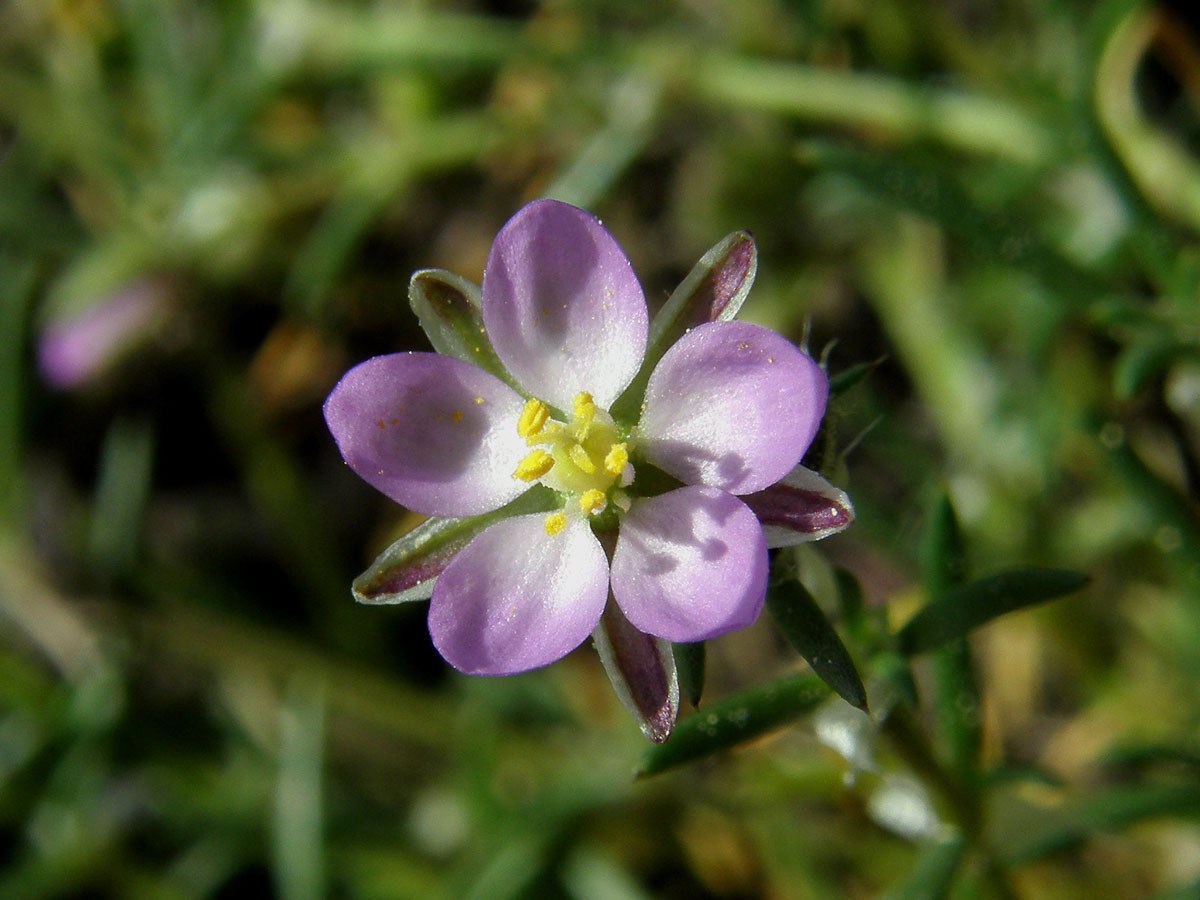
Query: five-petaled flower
point(728, 411)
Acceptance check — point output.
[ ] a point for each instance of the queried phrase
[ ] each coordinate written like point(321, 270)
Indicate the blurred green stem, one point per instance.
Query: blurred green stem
point(1157, 163)
point(297, 825)
point(16, 290)
point(874, 103)
point(960, 799)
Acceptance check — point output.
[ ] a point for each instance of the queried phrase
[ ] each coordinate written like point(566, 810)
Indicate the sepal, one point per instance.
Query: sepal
point(713, 291)
point(448, 309)
point(407, 569)
point(642, 671)
point(800, 507)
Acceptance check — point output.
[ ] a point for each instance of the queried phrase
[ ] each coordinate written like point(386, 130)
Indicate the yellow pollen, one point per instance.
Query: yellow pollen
point(457, 415)
point(533, 417)
point(617, 457)
point(585, 406)
point(592, 501)
point(534, 466)
point(580, 457)
point(585, 412)
point(556, 522)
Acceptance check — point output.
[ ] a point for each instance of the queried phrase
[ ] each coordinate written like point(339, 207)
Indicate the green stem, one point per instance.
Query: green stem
point(875, 103)
point(912, 747)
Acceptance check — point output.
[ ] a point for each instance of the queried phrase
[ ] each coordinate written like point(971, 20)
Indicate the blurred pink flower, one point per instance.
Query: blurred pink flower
point(75, 348)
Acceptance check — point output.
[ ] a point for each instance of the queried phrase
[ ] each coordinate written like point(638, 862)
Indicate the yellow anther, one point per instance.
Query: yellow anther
point(585, 407)
point(592, 501)
point(533, 417)
point(556, 522)
point(617, 457)
point(534, 466)
point(585, 411)
point(581, 459)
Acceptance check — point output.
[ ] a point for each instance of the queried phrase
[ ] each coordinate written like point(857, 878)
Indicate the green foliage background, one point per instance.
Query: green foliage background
point(1000, 200)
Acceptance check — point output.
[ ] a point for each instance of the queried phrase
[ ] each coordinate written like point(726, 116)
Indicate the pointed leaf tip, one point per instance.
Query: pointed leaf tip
point(808, 630)
point(972, 604)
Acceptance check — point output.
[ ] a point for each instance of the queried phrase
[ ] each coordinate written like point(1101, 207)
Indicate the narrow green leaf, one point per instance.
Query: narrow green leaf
point(849, 595)
point(689, 663)
point(713, 291)
point(933, 875)
point(1143, 756)
point(848, 378)
point(956, 693)
point(980, 601)
point(805, 626)
point(448, 308)
point(944, 556)
point(734, 720)
point(408, 568)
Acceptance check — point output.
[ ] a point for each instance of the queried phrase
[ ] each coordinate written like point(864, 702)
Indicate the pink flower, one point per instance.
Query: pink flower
point(728, 411)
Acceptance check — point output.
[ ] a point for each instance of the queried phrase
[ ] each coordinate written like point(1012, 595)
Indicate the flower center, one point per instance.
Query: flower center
point(585, 459)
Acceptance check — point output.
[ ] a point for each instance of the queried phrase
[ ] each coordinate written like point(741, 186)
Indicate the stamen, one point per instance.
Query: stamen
point(617, 457)
point(580, 457)
point(556, 522)
point(585, 411)
point(585, 407)
point(533, 417)
point(621, 501)
point(592, 501)
point(549, 434)
point(534, 466)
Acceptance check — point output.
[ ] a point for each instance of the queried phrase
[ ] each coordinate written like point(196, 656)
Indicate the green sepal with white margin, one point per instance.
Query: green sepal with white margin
point(802, 506)
point(642, 671)
point(448, 308)
point(408, 569)
point(713, 291)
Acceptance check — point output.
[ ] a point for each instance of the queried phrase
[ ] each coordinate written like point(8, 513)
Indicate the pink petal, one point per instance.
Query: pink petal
point(516, 598)
point(690, 564)
point(732, 405)
point(563, 309)
point(435, 434)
